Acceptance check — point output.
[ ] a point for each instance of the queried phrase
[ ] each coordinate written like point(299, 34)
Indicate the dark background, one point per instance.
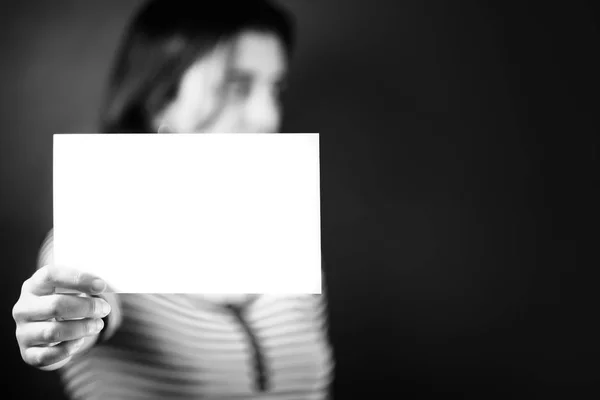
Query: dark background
point(459, 203)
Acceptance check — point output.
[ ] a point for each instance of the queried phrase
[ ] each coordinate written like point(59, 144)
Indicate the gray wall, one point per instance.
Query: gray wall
point(457, 181)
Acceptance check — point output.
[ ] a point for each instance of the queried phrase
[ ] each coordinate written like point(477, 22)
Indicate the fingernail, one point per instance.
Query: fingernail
point(105, 308)
point(96, 326)
point(99, 325)
point(101, 308)
point(98, 285)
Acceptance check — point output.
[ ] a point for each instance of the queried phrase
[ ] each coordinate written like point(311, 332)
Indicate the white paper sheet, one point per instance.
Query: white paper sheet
point(190, 213)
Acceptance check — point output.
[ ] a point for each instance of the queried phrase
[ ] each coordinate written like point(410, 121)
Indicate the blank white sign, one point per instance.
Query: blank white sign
point(190, 213)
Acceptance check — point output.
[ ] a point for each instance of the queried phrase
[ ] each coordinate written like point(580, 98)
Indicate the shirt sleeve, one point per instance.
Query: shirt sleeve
point(322, 320)
point(113, 320)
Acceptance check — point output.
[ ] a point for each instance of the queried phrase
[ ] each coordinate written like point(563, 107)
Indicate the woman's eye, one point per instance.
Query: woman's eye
point(240, 88)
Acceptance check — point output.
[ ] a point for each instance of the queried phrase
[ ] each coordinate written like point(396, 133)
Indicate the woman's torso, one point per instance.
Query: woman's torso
point(189, 347)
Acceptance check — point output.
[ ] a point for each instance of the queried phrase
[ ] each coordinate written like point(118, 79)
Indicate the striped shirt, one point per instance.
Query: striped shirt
point(183, 346)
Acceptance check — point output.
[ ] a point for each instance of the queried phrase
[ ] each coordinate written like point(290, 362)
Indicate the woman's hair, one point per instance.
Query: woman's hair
point(163, 40)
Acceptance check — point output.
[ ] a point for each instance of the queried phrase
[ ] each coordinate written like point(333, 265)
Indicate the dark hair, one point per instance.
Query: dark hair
point(164, 39)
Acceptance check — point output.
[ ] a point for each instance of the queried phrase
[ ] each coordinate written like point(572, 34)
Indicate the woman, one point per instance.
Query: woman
point(189, 67)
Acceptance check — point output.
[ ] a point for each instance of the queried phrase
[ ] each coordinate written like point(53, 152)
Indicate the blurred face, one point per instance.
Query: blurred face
point(233, 89)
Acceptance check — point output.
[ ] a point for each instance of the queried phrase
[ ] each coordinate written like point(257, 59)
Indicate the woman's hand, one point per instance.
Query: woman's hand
point(52, 327)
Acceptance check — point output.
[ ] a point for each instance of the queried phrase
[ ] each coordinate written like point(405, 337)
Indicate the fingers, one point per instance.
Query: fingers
point(44, 333)
point(50, 277)
point(59, 306)
point(48, 357)
point(52, 327)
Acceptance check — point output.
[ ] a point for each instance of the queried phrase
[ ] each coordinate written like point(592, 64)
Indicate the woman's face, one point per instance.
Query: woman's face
point(233, 89)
